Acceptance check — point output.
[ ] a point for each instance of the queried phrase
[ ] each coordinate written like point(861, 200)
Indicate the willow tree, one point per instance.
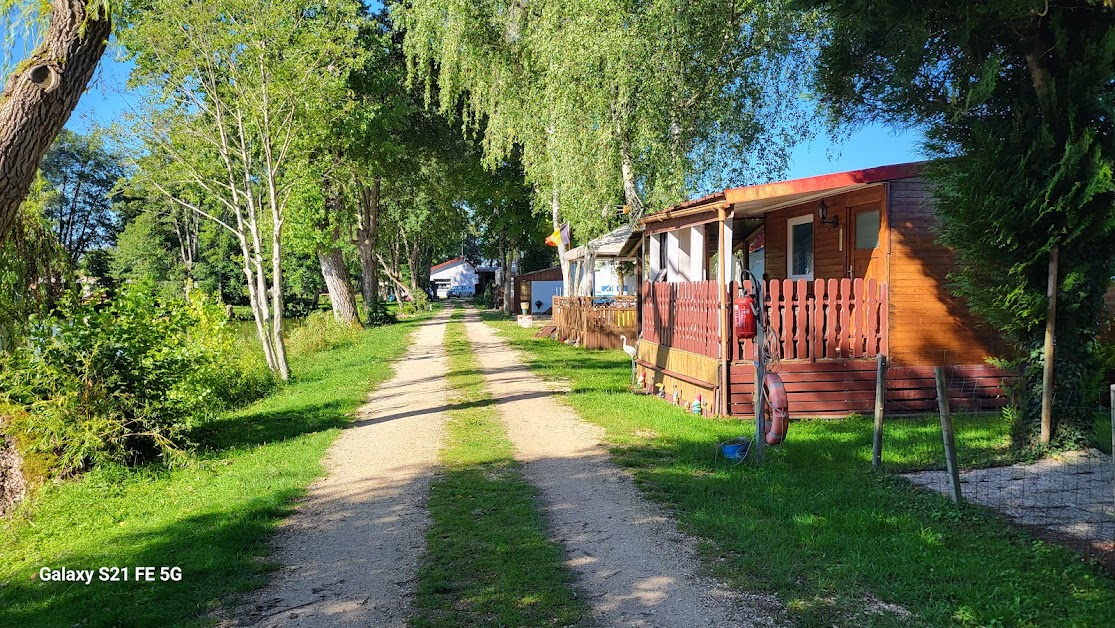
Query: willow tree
point(610, 100)
point(234, 84)
point(1019, 101)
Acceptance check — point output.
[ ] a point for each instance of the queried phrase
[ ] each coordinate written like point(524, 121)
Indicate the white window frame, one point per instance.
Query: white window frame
point(790, 224)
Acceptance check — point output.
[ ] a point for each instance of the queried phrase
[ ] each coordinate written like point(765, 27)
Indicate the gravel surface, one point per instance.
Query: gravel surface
point(1069, 494)
point(632, 564)
point(350, 553)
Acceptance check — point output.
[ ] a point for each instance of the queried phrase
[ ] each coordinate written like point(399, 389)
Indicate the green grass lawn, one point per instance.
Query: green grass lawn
point(212, 519)
point(488, 560)
point(816, 527)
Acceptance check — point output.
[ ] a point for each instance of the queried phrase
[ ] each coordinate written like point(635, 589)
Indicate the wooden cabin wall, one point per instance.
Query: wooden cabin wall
point(928, 326)
point(830, 258)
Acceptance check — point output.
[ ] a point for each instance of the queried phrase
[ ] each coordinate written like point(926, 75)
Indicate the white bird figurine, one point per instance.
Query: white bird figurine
point(631, 351)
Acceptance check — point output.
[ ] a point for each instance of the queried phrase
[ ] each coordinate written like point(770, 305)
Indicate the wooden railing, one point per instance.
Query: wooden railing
point(822, 319)
point(684, 316)
point(596, 322)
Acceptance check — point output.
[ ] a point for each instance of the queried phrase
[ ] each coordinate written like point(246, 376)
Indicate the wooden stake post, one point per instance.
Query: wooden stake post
point(946, 434)
point(1047, 367)
point(880, 388)
point(1113, 436)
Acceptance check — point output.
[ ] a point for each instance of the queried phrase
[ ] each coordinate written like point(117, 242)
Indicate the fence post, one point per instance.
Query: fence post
point(1113, 444)
point(946, 434)
point(880, 388)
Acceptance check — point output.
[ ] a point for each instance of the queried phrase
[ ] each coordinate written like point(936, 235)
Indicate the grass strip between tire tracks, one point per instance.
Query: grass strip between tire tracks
point(488, 561)
point(212, 518)
point(814, 525)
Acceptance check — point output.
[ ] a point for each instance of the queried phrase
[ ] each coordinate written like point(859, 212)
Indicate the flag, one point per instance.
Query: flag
point(562, 233)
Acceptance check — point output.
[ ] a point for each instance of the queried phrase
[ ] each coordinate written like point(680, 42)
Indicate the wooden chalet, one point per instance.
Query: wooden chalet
point(851, 270)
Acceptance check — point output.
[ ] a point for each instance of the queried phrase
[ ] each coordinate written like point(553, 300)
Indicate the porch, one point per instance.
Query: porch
point(596, 322)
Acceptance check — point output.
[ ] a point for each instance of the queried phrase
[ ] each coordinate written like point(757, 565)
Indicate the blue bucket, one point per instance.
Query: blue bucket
point(735, 449)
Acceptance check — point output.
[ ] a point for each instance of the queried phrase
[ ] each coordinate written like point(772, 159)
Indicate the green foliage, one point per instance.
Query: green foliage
point(83, 171)
point(486, 299)
point(320, 332)
point(685, 94)
point(120, 381)
point(378, 314)
point(32, 266)
point(1018, 100)
point(419, 302)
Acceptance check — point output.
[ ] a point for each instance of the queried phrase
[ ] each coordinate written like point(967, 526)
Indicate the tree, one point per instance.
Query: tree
point(84, 173)
point(41, 93)
point(235, 83)
point(611, 100)
point(1019, 102)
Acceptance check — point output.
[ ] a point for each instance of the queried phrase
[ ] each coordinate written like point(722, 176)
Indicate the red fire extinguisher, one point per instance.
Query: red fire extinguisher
point(743, 316)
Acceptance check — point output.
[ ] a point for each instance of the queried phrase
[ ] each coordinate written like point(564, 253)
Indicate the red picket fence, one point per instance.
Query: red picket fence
point(684, 316)
point(823, 319)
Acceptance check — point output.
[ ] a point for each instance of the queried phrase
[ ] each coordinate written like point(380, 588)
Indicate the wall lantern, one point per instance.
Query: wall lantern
point(822, 212)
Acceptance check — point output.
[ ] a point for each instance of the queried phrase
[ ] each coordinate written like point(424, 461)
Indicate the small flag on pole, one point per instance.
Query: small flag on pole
point(562, 233)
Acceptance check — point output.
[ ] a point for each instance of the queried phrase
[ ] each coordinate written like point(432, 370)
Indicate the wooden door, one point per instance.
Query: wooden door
point(865, 256)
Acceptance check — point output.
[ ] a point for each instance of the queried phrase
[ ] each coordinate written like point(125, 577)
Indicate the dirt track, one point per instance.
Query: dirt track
point(349, 555)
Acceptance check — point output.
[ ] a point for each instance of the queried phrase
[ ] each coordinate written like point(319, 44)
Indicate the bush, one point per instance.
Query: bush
point(321, 332)
point(124, 381)
point(378, 315)
point(420, 303)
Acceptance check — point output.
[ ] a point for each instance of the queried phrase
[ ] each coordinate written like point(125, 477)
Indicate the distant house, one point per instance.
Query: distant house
point(456, 273)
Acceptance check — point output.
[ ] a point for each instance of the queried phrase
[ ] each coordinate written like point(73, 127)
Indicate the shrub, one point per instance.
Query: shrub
point(419, 303)
point(122, 381)
point(378, 315)
point(320, 332)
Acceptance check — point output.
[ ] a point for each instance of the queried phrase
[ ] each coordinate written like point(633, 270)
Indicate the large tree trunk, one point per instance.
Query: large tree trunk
point(508, 286)
point(338, 284)
point(366, 242)
point(40, 96)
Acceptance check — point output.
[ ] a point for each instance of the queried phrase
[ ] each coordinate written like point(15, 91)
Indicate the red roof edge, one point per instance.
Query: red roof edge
point(820, 182)
point(449, 263)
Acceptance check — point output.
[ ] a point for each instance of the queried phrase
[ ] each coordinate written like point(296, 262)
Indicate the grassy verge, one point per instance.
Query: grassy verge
point(210, 519)
point(814, 526)
point(488, 560)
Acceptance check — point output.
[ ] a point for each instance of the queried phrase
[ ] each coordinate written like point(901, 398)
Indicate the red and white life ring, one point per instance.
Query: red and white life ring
point(776, 421)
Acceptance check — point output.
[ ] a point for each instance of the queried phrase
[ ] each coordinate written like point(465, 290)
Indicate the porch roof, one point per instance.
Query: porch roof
point(753, 200)
point(609, 245)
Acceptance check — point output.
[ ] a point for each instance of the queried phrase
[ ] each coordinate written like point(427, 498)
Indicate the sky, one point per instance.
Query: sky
point(108, 99)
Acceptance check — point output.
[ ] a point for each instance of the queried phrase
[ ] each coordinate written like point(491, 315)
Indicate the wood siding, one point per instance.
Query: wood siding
point(928, 326)
point(830, 256)
point(840, 388)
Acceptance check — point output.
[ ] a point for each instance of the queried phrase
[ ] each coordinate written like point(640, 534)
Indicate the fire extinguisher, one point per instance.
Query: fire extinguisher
point(743, 316)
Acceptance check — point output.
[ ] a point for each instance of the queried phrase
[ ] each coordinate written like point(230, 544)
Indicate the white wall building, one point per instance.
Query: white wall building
point(456, 273)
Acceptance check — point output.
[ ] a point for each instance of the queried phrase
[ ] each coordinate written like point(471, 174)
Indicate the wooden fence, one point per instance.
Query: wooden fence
point(830, 319)
point(684, 316)
point(596, 322)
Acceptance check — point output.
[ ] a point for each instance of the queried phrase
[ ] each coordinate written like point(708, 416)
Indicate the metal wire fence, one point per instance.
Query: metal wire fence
point(1066, 496)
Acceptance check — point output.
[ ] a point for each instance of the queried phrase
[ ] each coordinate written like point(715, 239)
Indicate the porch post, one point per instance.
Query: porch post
point(723, 252)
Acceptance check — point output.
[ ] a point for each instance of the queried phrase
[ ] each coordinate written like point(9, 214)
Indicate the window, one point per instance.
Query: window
point(867, 230)
point(799, 250)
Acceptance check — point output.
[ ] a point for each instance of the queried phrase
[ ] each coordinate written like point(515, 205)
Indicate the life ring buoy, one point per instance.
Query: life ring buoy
point(776, 420)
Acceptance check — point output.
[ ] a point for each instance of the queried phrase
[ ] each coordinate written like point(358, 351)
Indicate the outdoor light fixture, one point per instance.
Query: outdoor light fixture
point(822, 212)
